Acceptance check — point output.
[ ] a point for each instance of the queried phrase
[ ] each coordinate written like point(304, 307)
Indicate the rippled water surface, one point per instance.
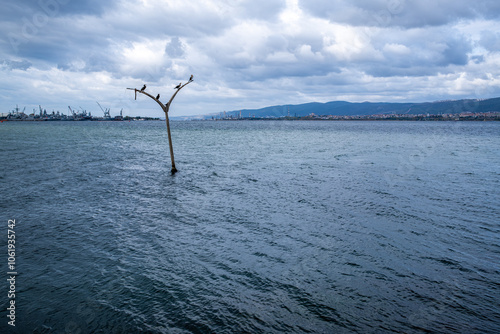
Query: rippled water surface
point(268, 227)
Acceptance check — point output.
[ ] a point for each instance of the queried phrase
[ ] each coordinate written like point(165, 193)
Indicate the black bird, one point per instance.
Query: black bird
point(178, 86)
point(191, 78)
point(158, 96)
point(143, 88)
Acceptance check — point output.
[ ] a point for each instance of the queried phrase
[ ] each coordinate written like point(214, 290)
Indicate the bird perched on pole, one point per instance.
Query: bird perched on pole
point(178, 86)
point(191, 78)
point(143, 88)
point(158, 96)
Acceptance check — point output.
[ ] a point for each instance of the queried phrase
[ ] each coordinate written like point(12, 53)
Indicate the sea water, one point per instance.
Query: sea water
point(268, 227)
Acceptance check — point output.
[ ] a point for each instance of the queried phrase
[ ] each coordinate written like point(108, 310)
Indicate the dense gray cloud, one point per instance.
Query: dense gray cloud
point(27, 8)
point(405, 13)
point(13, 64)
point(490, 40)
point(247, 54)
point(175, 48)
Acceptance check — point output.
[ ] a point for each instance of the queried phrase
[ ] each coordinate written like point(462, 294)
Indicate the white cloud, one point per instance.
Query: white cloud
point(396, 49)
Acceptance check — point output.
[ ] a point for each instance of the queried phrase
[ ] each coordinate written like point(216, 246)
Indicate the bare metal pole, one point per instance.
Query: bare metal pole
point(165, 108)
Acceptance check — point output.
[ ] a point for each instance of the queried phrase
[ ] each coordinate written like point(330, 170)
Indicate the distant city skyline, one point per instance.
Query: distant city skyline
point(245, 54)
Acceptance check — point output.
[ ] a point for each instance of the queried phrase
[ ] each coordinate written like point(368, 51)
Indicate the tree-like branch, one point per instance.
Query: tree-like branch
point(165, 108)
point(178, 89)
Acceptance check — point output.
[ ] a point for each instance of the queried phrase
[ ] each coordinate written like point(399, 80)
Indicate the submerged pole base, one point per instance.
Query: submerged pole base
point(173, 170)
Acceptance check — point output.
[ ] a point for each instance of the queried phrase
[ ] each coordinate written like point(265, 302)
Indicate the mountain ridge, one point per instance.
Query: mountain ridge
point(344, 108)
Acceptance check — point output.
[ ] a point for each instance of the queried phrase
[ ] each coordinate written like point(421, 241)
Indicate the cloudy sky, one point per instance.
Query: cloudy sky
point(245, 53)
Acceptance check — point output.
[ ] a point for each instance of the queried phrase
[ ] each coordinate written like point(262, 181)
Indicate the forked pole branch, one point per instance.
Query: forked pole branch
point(165, 108)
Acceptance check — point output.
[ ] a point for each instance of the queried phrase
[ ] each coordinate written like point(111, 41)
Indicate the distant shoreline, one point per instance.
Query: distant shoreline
point(475, 117)
point(470, 117)
point(125, 119)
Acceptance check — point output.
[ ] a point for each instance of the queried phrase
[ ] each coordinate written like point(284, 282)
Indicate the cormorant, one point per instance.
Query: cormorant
point(191, 78)
point(158, 96)
point(143, 88)
point(178, 86)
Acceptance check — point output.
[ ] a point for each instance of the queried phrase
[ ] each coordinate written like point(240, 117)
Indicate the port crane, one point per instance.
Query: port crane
point(80, 116)
point(84, 112)
point(72, 112)
point(105, 111)
point(43, 112)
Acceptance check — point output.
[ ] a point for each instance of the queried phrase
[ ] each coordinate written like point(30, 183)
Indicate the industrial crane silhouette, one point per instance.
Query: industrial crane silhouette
point(105, 111)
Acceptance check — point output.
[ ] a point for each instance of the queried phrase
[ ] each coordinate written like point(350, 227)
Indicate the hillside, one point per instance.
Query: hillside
point(343, 108)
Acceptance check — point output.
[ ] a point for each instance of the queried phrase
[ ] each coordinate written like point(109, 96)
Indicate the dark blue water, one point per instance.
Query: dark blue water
point(268, 227)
